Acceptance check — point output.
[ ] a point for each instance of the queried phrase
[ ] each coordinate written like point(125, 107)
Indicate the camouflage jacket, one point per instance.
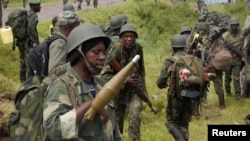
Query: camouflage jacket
point(162, 81)
point(60, 116)
point(237, 41)
point(32, 28)
point(57, 52)
point(123, 58)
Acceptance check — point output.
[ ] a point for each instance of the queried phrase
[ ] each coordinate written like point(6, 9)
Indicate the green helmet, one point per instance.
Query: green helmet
point(69, 7)
point(124, 18)
point(128, 28)
point(85, 32)
point(233, 20)
point(215, 32)
point(34, 1)
point(201, 18)
point(115, 22)
point(185, 29)
point(178, 41)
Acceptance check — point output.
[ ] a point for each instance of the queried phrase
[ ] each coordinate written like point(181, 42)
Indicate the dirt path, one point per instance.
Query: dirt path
point(49, 11)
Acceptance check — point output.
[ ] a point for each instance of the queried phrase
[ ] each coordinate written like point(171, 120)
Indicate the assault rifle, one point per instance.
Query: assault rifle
point(141, 93)
point(235, 50)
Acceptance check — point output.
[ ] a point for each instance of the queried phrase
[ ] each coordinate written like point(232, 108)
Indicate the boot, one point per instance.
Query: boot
point(177, 134)
point(22, 76)
point(221, 101)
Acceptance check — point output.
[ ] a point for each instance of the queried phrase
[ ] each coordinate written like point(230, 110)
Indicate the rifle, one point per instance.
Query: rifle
point(117, 67)
point(232, 48)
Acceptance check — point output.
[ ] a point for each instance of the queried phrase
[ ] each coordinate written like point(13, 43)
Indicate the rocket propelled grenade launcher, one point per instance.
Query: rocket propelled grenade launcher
point(110, 89)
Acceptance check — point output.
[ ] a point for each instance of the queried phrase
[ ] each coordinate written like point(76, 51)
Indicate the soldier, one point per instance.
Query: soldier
point(234, 39)
point(179, 109)
point(64, 117)
point(66, 7)
point(128, 99)
point(35, 7)
point(177, 125)
point(67, 21)
point(212, 43)
point(4, 3)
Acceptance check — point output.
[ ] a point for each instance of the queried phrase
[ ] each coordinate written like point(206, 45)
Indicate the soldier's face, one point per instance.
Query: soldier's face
point(128, 38)
point(96, 55)
point(234, 27)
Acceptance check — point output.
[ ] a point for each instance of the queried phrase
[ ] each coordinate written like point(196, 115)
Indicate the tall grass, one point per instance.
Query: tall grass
point(156, 23)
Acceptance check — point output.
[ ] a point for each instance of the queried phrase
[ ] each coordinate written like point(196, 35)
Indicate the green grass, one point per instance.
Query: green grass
point(156, 23)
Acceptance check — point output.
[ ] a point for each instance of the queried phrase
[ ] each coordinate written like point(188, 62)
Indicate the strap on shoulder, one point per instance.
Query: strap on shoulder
point(67, 81)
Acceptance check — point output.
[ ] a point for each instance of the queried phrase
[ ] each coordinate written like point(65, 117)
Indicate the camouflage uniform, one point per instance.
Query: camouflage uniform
point(127, 101)
point(180, 104)
point(58, 48)
point(66, 105)
point(210, 47)
point(32, 39)
point(32, 28)
point(236, 40)
point(60, 116)
point(178, 111)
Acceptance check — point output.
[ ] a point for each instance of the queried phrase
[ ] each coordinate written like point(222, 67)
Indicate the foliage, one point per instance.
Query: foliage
point(156, 23)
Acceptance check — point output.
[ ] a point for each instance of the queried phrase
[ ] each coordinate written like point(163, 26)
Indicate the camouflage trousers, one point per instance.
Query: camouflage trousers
point(178, 114)
point(132, 109)
point(23, 50)
point(234, 72)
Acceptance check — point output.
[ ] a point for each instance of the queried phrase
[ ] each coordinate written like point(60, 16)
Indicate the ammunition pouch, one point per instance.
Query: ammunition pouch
point(189, 93)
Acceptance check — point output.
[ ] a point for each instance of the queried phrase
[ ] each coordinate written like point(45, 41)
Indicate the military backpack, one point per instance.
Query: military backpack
point(187, 77)
point(18, 21)
point(38, 57)
point(25, 122)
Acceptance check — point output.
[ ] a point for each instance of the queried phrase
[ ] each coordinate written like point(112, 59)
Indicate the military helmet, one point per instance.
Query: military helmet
point(201, 18)
point(215, 29)
point(124, 18)
point(234, 20)
point(69, 7)
point(178, 41)
point(34, 1)
point(84, 33)
point(185, 29)
point(128, 28)
point(115, 22)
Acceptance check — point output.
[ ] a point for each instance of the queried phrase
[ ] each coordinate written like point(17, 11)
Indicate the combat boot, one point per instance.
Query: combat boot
point(221, 101)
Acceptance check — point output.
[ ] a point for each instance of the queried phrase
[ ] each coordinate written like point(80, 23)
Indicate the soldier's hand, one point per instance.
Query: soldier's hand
point(104, 115)
point(131, 81)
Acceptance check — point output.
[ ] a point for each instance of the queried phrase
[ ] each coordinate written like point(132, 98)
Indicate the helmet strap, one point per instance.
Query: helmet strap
point(91, 69)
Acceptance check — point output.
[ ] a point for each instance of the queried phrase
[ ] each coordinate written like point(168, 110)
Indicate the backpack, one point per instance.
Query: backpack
point(18, 21)
point(193, 85)
point(220, 57)
point(25, 123)
point(38, 57)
